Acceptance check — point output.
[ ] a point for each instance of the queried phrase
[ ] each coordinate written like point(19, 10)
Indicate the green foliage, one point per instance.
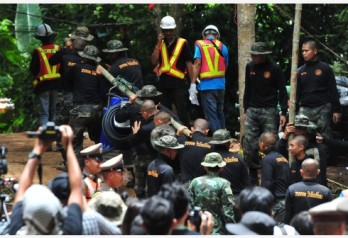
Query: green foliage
point(273, 24)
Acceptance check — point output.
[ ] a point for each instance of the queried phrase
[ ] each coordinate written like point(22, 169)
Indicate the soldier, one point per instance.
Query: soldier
point(264, 88)
point(196, 148)
point(235, 171)
point(275, 173)
point(316, 94)
point(122, 65)
point(159, 171)
point(112, 172)
point(92, 159)
point(213, 194)
point(306, 128)
point(88, 95)
point(304, 195)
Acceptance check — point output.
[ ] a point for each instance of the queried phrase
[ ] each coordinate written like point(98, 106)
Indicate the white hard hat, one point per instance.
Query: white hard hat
point(44, 30)
point(168, 22)
point(211, 29)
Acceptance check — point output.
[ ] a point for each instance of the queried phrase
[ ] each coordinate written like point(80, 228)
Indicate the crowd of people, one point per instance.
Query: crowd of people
point(186, 183)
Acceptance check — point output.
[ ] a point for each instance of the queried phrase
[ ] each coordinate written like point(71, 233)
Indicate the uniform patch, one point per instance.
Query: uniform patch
point(267, 75)
point(318, 72)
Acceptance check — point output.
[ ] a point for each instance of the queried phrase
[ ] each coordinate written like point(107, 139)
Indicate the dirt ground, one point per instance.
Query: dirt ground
point(19, 146)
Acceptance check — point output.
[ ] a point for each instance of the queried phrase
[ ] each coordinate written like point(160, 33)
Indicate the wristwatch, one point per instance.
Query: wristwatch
point(33, 155)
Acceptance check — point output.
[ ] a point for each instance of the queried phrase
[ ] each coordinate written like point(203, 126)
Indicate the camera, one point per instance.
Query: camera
point(3, 161)
point(49, 132)
point(195, 217)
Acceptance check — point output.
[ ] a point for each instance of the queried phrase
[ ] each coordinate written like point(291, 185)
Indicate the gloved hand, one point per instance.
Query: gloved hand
point(193, 94)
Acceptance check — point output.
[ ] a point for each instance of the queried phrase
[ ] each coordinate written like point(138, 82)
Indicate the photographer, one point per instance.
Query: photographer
point(188, 223)
point(36, 210)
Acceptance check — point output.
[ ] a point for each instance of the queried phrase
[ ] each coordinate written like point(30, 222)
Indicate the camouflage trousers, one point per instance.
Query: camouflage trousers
point(321, 116)
point(82, 117)
point(258, 120)
point(64, 105)
point(279, 210)
point(140, 172)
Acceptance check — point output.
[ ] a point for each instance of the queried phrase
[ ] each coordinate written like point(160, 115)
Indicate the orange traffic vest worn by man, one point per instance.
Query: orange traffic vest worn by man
point(46, 78)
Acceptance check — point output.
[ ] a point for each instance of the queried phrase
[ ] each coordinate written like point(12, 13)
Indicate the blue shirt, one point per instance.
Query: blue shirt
point(212, 83)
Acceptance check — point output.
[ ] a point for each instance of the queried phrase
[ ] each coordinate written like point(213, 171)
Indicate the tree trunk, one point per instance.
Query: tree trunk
point(157, 12)
point(294, 65)
point(246, 36)
point(176, 12)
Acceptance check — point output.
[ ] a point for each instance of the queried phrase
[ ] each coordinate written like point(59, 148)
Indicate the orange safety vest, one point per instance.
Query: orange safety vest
point(47, 72)
point(168, 66)
point(213, 64)
point(91, 187)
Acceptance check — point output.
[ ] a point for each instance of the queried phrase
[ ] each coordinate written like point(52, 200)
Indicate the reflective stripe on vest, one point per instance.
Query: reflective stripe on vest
point(210, 69)
point(47, 72)
point(91, 187)
point(169, 65)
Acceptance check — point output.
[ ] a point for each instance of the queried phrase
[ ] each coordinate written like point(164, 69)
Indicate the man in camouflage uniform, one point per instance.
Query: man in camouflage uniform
point(213, 194)
point(264, 88)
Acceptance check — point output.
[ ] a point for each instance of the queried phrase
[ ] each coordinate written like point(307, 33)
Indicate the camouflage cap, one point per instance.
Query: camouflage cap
point(81, 32)
point(213, 159)
point(169, 142)
point(260, 48)
point(221, 136)
point(148, 91)
point(90, 52)
point(303, 121)
point(114, 46)
point(110, 205)
point(160, 131)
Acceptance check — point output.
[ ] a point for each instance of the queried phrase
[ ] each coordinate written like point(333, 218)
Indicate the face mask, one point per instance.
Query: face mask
point(210, 38)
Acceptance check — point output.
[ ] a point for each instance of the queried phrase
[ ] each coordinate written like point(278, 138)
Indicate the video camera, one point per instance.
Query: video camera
point(49, 132)
point(195, 217)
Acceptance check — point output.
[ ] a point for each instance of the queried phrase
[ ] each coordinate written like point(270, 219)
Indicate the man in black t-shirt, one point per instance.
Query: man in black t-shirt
point(173, 60)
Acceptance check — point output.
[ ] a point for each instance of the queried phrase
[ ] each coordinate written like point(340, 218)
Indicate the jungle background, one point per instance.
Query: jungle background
point(137, 25)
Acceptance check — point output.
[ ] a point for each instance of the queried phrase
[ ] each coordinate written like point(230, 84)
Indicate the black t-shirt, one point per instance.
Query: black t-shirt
point(167, 81)
point(235, 171)
point(71, 224)
point(89, 87)
point(129, 69)
point(192, 155)
point(316, 86)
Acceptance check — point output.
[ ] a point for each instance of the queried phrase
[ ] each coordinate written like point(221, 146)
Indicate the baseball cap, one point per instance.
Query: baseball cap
point(60, 186)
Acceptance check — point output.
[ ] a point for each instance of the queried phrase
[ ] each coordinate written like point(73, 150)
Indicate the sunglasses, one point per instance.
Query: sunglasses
point(97, 158)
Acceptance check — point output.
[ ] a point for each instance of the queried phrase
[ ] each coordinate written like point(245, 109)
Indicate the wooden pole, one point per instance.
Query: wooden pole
point(294, 66)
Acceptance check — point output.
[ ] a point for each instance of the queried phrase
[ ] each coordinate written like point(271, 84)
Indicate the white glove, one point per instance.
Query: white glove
point(193, 94)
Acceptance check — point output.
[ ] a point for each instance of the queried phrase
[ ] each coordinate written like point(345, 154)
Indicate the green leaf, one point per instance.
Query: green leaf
point(28, 17)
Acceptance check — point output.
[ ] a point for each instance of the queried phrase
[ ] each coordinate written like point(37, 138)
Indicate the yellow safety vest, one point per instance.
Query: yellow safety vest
point(168, 66)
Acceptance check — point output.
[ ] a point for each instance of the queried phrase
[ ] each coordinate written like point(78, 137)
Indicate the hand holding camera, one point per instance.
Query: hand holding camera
point(200, 221)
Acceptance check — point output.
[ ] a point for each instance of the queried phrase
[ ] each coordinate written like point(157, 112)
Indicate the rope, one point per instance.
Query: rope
point(337, 183)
